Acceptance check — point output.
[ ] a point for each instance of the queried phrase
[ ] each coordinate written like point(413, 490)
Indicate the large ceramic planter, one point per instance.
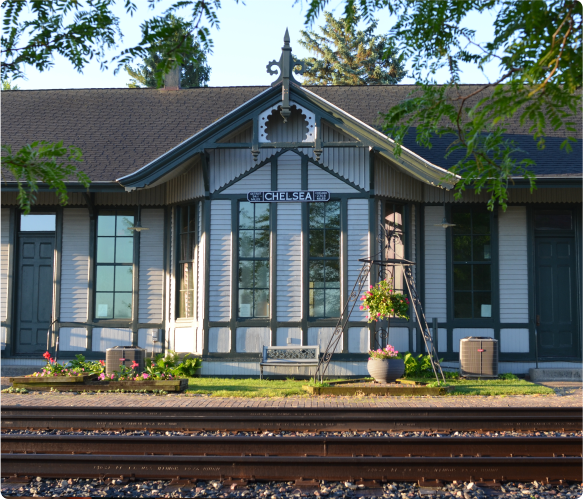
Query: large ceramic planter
point(386, 370)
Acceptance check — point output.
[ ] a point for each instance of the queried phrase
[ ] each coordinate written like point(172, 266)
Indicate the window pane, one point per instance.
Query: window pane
point(262, 274)
point(246, 215)
point(553, 219)
point(245, 303)
point(186, 304)
point(481, 222)
point(123, 223)
point(104, 278)
point(332, 243)
point(332, 303)
point(123, 305)
point(462, 221)
point(462, 279)
point(261, 244)
point(317, 211)
point(316, 243)
point(482, 280)
point(246, 274)
point(105, 248)
point(124, 250)
point(332, 274)
point(333, 214)
point(38, 222)
point(316, 277)
point(185, 247)
point(183, 219)
point(482, 247)
point(462, 248)
point(106, 225)
point(317, 303)
point(246, 243)
point(123, 279)
point(261, 216)
point(482, 305)
point(261, 303)
point(104, 305)
point(462, 305)
point(192, 219)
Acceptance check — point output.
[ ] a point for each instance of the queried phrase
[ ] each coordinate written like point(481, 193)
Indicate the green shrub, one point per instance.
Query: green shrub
point(508, 376)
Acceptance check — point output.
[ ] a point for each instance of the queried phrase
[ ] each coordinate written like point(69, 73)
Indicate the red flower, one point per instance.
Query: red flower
point(134, 365)
point(47, 355)
point(51, 360)
point(101, 362)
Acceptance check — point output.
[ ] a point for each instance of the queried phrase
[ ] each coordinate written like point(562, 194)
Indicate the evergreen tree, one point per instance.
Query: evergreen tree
point(345, 56)
point(194, 71)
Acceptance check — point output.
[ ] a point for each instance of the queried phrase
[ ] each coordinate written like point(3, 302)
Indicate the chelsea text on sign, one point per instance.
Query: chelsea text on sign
point(279, 196)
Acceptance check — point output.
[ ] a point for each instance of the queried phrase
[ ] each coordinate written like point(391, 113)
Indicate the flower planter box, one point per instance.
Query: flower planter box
point(369, 390)
point(91, 384)
point(52, 381)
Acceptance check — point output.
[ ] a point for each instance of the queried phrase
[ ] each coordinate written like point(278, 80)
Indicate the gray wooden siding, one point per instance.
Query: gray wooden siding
point(187, 186)
point(75, 265)
point(358, 247)
point(200, 263)
point(145, 341)
point(289, 262)
point(219, 339)
point(171, 275)
point(318, 178)
point(289, 171)
point(259, 180)
point(332, 134)
point(288, 336)
point(220, 261)
point(350, 163)
point(104, 338)
point(513, 262)
point(72, 339)
point(358, 339)
point(390, 182)
point(4, 260)
point(321, 336)
point(460, 333)
point(252, 339)
point(241, 135)
point(399, 339)
point(514, 340)
point(151, 275)
point(435, 274)
point(228, 164)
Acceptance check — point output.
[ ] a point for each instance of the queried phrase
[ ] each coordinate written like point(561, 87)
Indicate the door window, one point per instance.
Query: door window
point(37, 222)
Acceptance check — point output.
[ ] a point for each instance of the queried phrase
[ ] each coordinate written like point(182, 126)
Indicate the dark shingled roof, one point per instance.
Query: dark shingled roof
point(121, 130)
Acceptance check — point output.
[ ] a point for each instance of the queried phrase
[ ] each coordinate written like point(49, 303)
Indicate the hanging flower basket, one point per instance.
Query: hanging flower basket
point(383, 302)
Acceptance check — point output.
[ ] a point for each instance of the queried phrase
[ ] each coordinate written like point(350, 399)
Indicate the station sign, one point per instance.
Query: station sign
point(287, 196)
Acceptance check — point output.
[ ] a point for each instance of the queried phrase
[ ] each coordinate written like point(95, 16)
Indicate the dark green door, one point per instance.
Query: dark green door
point(556, 307)
point(35, 292)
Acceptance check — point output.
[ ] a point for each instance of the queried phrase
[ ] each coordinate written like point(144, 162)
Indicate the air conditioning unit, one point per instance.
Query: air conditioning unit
point(479, 357)
point(127, 353)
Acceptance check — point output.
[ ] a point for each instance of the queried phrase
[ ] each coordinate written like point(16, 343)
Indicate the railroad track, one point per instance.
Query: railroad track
point(267, 458)
point(290, 419)
point(284, 458)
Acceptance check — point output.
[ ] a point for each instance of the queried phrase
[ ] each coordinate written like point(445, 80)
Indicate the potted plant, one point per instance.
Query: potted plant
point(383, 302)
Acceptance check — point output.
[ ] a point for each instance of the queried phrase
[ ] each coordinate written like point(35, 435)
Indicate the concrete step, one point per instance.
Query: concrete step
point(550, 374)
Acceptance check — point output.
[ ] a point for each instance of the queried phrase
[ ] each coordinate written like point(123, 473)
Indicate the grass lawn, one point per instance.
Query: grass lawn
point(494, 387)
point(246, 387)
point(255, 388)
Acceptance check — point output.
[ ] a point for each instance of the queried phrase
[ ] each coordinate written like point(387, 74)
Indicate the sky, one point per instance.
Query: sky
point(250, 35)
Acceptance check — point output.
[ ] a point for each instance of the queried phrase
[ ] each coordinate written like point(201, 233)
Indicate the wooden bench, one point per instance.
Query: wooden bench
point(306, 355)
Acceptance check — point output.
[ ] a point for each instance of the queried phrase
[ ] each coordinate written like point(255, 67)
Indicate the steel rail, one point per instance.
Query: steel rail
point(294, 446)
point(293, 419)
point(285, 468)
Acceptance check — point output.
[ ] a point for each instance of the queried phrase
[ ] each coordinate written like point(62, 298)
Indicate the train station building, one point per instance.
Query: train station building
point(221, 220)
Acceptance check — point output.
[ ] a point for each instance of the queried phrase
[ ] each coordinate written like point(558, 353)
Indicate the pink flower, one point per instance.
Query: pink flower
point(369, 359)
point(361, 308)
point(134, 365)
point(112, 376)
point(378, 314)
point(101, 377)
point(145, 375)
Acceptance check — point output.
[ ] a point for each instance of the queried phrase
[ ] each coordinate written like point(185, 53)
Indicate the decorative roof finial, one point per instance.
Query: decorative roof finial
point(287, 66)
